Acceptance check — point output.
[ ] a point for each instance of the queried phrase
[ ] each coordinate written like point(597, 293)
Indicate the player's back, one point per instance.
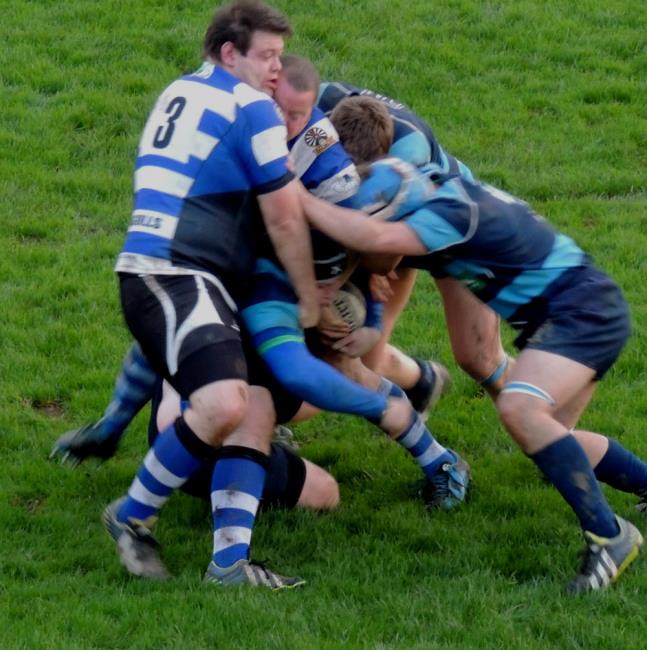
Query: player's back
point(209, 146)
point(507, 255)
point(413, 139)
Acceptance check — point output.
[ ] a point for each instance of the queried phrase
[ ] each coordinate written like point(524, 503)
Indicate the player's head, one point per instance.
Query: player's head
point(246, 38)
point(296, 92)
point(333, 263)
point(393, 189)
point(364, 126)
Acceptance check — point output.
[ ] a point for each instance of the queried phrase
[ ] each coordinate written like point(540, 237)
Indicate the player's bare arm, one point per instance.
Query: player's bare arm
point(359, 232)
point(290, 235)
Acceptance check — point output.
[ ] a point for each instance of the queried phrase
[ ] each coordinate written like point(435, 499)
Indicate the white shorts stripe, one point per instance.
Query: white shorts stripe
point(160, 473)
point(169, 316)
point(234, 499)
point(143, 495)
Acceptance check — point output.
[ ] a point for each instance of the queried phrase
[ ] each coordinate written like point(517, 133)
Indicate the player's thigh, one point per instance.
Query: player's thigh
point(256, 427)
point(473, 327)
point(293, 481)
point(402, 287)
point(182, 323)
point(570, 413)
point(320, 489)
point(285, 478)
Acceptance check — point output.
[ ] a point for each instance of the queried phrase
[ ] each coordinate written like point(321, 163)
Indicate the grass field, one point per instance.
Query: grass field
point(546, 100)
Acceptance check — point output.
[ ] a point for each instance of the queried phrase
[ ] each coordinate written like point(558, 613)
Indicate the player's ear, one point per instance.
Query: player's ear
point(228, 53)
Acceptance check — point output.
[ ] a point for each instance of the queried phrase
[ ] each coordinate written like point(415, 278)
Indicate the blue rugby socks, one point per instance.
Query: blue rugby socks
point(420, 443)
point(621, 469)
point(133, 389)
point(236, 489)
point(566, 466)
point(176, 454)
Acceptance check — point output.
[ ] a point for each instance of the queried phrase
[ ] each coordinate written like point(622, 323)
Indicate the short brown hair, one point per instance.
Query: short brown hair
point(236, 23)
point(300, 73)
point(365, 127)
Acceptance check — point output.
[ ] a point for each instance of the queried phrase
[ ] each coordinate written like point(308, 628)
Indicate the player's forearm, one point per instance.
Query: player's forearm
point(290, 235)
point(350, 227)
point(291, 241)
point(318, 383)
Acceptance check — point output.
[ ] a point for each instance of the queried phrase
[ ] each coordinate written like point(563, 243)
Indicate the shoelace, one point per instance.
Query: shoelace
point(440, 481)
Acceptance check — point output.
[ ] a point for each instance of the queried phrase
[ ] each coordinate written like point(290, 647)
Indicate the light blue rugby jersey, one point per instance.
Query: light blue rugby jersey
point(211, 144)
point(508, 256)
point(511, 258)
point(413, 139)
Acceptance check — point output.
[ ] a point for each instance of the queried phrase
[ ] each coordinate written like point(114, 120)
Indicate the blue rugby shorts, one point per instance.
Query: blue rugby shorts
point(587, 321)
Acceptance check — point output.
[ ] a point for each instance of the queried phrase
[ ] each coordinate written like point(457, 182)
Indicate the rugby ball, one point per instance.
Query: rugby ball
point(349, 305)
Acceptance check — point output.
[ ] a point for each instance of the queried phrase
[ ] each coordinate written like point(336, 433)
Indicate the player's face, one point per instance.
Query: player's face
point(261, 65)
point(296, 106)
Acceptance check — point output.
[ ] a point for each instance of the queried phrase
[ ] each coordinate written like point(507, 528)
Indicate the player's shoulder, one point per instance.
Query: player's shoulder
point(246, 98)
point(316, 138)
point(332, 92)
point(319, 134)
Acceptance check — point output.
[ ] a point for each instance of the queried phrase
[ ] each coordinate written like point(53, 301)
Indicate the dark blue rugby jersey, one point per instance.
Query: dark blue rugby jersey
point(413, 139)
point(511, 258)
point(210, 146)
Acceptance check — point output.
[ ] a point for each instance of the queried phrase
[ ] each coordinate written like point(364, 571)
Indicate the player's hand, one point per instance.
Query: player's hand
point(330, 327)
point(308, 313)
point(380, 286)
point(358, 342)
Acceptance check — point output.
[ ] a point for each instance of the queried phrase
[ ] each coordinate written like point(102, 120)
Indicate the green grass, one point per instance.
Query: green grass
point(546, 100)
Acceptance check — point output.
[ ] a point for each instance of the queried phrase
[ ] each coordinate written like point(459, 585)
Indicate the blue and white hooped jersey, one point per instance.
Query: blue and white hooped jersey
point(413, 139)
point(509, 257)
point(210, 146)
point(321, 162)
point(325, 170)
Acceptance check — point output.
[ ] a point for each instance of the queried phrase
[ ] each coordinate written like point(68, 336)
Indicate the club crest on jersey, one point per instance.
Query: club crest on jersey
point(318, 139)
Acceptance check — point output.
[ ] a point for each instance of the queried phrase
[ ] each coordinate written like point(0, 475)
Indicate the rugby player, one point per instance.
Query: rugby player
point(371, 125)
point(572, 322)
point(212, 178)
point(269, 312)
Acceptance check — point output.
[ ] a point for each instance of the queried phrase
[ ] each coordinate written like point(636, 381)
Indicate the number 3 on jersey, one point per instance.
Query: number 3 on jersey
point(173, 127)
point(164, 132)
